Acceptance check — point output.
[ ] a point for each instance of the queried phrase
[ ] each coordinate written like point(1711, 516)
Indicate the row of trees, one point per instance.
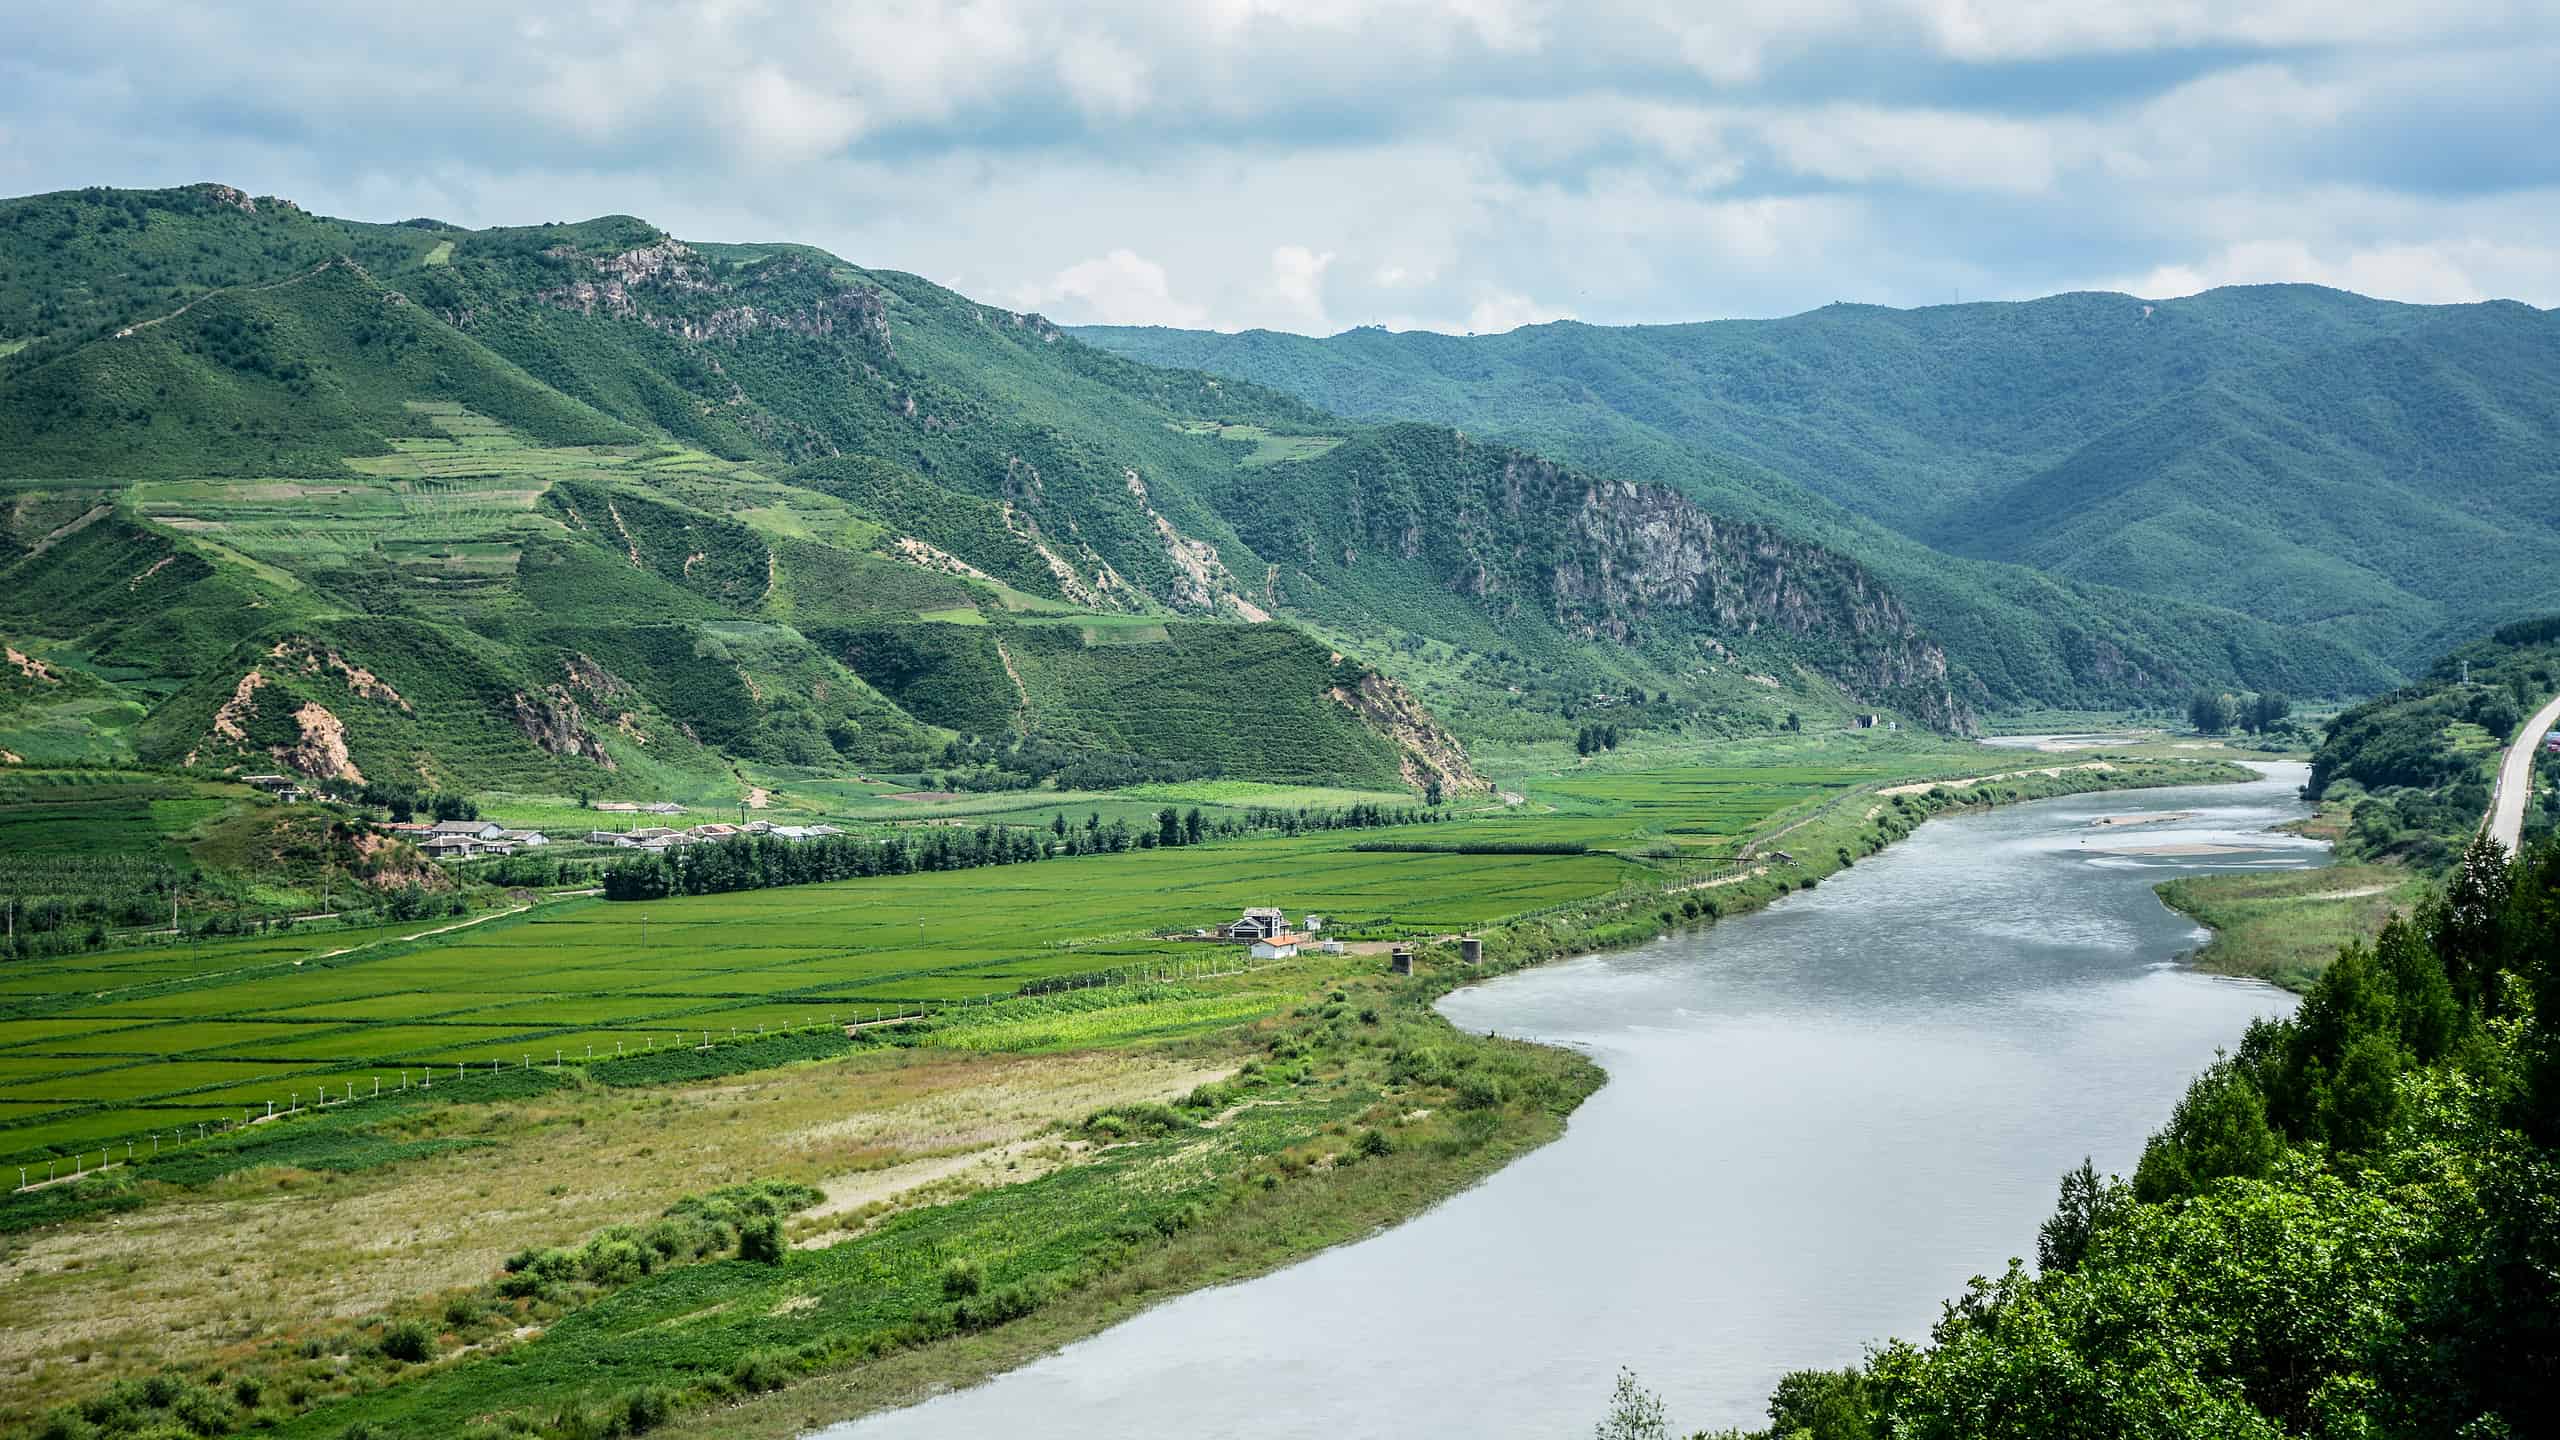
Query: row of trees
point(1592, 739)
point(760, 862)
point(2215, 712)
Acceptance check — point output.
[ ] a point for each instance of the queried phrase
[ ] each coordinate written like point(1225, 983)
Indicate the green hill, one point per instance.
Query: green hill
point(607, 511)
point(2087, 496)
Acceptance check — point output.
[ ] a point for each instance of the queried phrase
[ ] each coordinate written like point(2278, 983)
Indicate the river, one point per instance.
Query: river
point(1820, 1120)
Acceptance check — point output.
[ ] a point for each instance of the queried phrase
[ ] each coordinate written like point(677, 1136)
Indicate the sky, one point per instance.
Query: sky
point(1312, 165)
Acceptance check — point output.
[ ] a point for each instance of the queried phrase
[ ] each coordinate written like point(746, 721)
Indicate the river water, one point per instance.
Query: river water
point(1820, 1120)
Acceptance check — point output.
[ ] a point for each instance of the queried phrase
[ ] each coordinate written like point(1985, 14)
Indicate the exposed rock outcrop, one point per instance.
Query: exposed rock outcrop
point(552, 719)
point(1429, 751)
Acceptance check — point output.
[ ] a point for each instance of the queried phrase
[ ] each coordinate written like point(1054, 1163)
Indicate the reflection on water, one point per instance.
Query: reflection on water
point(1821, 1119)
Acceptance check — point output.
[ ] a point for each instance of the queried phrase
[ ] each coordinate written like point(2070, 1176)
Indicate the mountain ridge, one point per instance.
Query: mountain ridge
point(642, 506)
point(1939, 442)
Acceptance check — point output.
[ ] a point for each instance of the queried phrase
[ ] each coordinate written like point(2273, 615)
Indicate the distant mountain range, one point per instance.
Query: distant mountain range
point(2081, 496)
point(584, 507)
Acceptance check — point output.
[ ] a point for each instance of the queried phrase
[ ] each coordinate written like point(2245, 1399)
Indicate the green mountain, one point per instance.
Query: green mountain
point(2088, 497)
point(587, 507)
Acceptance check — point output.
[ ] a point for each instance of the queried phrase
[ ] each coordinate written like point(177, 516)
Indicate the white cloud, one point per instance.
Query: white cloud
point(1506, 310)
point(1121, 288)
point(2430, 273)
point(1313, 164)
point(1297, 282)
point(1940, 149)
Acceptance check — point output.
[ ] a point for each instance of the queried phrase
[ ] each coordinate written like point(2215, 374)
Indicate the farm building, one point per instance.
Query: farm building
point(474, 829)
point(1283, 946)
point(1258, 923)
point(524, 837)
point(463, 847)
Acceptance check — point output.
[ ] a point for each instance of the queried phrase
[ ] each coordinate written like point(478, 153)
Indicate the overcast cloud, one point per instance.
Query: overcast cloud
point(1311, 165)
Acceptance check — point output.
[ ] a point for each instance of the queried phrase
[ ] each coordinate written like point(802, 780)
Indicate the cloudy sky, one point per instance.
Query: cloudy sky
point(1311, 165)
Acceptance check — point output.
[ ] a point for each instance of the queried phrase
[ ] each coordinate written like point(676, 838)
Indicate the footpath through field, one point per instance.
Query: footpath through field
point(2515, 777)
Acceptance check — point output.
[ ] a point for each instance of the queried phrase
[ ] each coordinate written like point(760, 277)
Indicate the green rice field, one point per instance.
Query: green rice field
point(97, 1048)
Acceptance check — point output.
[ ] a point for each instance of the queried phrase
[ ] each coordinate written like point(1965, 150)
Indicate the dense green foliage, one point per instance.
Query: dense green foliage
point(2351, 1225)
point(759, 862)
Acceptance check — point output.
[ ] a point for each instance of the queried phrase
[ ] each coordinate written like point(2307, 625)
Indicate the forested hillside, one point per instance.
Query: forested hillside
point(586, 507)
point(2413, 767)
point(2102, 485)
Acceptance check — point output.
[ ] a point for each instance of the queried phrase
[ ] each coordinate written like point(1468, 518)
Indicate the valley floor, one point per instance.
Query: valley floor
point(980, 1184)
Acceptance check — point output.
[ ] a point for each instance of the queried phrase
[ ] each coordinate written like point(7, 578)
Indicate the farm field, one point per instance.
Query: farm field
point(580, 973)
point(105, 1037)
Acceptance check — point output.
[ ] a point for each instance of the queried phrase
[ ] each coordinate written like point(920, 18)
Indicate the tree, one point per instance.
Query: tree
point(2268, 710)
point(1635, 1413)
point(1432, 793)
point(2087, 1204)
point(1168, 826)
point(2210, 712)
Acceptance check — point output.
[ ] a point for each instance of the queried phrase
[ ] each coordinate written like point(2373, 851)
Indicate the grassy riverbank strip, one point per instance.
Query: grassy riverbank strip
point(2285, 927)
point(1045, 1167)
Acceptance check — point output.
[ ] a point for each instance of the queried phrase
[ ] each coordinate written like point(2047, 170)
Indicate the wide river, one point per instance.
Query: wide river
point(1820, 1120)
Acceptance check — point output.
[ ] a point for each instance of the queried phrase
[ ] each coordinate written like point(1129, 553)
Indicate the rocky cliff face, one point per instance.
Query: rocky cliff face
point(1638, 556)
point(1635, 565)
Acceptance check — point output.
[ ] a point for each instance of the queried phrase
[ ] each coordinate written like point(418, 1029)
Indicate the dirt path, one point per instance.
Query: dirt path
point(1918, 786)
point(138, 327)
point(423, 934)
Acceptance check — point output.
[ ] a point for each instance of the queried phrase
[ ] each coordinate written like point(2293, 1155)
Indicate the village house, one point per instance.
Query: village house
point(1283, 946)
point(524, 837)
point(717, 830)
point(1258, 923)
point(473, 829)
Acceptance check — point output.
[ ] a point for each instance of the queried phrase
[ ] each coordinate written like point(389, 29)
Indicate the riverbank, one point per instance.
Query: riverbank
point(2285, 928)
point(1854, 826)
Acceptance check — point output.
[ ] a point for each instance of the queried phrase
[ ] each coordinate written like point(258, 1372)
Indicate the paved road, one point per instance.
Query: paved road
point(2515, 777)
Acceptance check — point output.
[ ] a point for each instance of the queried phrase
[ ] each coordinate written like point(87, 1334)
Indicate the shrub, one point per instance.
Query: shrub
point(962, 1278)
point(408, 1342)
point(204, 1412)
point(1012, 1302)
point(1375, 1142)
point(1482, 1092)
point(640, 1411)
point(760, 1370)
point(760, 1240)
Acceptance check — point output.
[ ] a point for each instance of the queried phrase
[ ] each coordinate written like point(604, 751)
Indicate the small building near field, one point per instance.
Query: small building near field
point(524, 837)
point(1259, 923)
point(462, 847)
point(1283, 946)
point(474, 829)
